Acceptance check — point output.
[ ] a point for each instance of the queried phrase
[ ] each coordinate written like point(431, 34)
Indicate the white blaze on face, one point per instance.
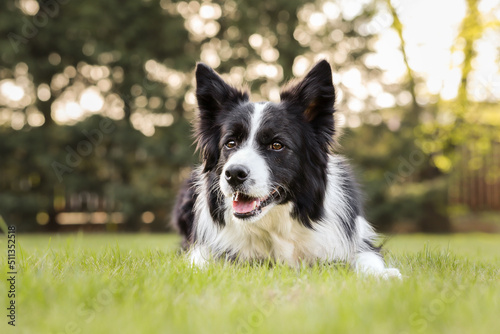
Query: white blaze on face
point(248, 156)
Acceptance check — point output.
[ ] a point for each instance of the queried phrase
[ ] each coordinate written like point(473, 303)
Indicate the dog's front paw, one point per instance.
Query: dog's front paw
point(385, 273)
point(389, 273)
point(199, 257)
point(370, 263)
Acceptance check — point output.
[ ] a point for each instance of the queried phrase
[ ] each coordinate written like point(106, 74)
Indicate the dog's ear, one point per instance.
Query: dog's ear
point(214, 97)
point(312, 100)
point(314, 97)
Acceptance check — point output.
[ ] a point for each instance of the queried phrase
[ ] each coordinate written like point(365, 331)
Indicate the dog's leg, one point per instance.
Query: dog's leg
point(371, 263)
point(368, 260)
point(199, 256)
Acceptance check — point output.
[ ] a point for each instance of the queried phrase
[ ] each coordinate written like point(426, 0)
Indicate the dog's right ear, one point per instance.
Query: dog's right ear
point(214, 97)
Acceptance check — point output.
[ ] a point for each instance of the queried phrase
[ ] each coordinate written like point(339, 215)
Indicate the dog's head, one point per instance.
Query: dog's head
point(259, 155)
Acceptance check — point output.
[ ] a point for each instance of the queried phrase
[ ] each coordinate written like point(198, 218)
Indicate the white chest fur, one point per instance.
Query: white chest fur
point(276, 236)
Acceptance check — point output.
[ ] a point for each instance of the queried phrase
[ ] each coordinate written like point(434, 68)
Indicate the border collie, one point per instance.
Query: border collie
point(270, 186)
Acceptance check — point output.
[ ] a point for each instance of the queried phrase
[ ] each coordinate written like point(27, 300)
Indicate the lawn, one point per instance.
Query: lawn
point(82, 283)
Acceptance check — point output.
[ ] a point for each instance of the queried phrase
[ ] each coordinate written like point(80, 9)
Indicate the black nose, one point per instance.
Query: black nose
point(236, 174)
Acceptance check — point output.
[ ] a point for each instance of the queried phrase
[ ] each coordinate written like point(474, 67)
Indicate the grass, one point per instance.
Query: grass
point(139, 284)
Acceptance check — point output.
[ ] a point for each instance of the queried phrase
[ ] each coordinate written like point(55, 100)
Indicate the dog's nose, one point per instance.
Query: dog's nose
point(236, 174)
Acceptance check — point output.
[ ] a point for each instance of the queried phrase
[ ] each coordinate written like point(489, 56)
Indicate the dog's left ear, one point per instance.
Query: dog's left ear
point(215, 97)
point(314, 97)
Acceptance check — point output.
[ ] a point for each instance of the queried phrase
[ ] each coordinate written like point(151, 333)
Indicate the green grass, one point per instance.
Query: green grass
point(139, 284)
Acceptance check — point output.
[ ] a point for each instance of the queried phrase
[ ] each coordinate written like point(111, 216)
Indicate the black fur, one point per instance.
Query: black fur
point(311, 101)
point(372, 247)
point(351, 189)
point(183, 214)
point(215, 202)
point(215, 100)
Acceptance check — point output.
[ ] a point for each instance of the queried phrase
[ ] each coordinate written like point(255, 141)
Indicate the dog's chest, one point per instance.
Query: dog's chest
point(277, 236)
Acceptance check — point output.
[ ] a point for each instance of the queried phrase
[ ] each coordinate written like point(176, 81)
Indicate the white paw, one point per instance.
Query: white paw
point(199, 257)
point(389, 273)
point(384, 273)
point(198, 262)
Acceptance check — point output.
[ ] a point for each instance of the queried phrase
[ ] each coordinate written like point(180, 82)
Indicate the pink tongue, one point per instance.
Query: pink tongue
point(244, 207)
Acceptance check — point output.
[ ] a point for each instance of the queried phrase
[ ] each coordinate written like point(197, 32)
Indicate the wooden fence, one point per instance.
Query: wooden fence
point(476, 181)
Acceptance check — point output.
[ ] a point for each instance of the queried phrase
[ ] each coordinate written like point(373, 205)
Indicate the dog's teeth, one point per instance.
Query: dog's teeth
point(254, 205)
point(235, 197)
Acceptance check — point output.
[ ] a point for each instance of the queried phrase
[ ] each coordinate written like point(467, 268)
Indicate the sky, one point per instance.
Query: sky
point(430, 31)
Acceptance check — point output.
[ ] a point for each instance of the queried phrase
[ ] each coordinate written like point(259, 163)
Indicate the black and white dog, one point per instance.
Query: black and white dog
point(270, 185)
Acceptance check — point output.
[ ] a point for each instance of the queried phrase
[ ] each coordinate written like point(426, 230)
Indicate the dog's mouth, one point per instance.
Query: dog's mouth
point(245, 206)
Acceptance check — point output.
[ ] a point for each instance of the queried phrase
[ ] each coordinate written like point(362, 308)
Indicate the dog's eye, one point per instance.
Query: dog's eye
point(231, 144)
point(276, 146)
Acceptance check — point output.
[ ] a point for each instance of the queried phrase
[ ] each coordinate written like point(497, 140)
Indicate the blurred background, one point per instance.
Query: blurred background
point(97, 100)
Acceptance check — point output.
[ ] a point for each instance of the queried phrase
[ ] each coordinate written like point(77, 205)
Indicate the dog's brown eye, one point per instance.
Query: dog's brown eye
point(231, 144)
point(276, 146)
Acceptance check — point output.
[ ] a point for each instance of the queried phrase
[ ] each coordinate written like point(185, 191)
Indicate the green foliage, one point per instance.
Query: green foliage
point(406, 188)
point(462, 122)
point(138, 58)
point(129, 46)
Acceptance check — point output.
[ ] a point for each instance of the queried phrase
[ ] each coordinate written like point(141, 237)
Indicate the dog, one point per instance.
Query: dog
point(270, 185)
